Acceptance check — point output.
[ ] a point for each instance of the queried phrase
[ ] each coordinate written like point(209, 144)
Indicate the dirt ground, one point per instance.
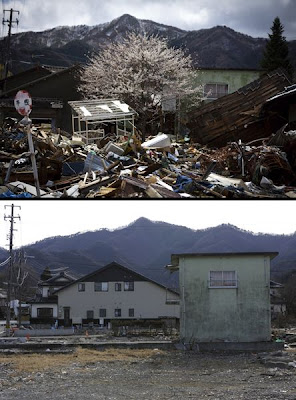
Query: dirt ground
point(142, 374)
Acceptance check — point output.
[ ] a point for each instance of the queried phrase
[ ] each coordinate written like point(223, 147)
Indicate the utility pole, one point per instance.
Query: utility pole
point(11, 219)
point(10, 22)
point(20, 280)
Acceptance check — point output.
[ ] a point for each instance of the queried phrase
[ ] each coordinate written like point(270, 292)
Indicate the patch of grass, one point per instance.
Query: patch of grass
point(42, 362)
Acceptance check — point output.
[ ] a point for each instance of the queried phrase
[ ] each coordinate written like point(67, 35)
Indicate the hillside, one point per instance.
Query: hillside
point(146, 246)
point(217, 47)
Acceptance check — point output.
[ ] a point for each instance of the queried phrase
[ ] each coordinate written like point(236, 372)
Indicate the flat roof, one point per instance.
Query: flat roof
point(175, 257)
point(237, 253)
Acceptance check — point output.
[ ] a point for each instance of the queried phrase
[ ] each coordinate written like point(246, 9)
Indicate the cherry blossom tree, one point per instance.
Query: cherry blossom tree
point(141, 71)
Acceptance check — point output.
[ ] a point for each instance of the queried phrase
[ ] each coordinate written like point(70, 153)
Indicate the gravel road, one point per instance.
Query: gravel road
point(155, 375)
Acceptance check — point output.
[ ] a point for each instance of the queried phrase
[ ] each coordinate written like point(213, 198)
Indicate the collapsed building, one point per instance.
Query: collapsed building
point(242, 145)
point(240, 115)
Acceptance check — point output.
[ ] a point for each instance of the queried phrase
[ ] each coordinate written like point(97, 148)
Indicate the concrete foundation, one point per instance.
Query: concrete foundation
point(44, 332)
point(233, 346)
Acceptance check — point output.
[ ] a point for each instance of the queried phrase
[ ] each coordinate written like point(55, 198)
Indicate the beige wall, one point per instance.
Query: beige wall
point(148, 301)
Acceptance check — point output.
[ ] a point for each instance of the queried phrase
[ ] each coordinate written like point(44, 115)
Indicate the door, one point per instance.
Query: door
point(67, 320)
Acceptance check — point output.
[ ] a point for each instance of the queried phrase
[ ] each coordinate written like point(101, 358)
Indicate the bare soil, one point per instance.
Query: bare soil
point(142, 374)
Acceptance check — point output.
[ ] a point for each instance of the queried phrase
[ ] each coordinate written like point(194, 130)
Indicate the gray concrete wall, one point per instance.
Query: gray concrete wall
point(239, 314)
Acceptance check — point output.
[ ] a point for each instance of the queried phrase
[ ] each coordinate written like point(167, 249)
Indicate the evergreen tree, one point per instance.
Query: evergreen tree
point(276, 53)
point(46, 274)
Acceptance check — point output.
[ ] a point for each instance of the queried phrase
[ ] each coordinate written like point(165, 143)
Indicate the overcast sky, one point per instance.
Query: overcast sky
point(252, 17)
point(41, 219)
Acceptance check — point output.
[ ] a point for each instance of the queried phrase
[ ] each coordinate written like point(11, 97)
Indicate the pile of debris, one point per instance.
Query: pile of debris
point(278, 360)
point(161, 167)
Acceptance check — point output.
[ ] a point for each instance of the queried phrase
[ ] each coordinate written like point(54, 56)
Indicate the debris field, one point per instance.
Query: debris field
point(116, 167)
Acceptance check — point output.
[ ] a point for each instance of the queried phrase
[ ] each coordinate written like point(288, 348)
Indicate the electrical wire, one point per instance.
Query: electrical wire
point(5, 262)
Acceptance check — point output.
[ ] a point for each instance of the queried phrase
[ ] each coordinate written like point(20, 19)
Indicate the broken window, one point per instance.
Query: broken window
point(101, 286)
point(117, 312)
point(117, 287)
point(222, 279)
point(215, 90)
point(128, 286)
point(81, 287)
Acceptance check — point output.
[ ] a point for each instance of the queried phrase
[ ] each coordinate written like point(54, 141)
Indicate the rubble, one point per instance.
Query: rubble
point(244, 114)
point(279, 359)
point(124, 167)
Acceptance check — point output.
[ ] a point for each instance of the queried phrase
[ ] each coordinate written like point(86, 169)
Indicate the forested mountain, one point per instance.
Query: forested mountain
point(147, 246)
point(217, 47)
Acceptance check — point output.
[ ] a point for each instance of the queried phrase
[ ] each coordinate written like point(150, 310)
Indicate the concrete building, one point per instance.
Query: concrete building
point(219, 82)
point(115, 292)
point(224, 297)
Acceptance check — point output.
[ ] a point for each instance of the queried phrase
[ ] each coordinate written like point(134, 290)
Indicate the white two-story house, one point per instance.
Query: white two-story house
point(44, 306)
point(115, 292)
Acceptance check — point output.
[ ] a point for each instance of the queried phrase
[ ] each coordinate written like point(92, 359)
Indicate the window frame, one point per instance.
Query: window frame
point(49, 315)
point(222, 280)
point(81, 287)
point(100, 288)
point(118, 287)
point(90, 312)
point(101, 312)
point(117, 312)
point(215, 95)
point(129, 286)
point(131, 311)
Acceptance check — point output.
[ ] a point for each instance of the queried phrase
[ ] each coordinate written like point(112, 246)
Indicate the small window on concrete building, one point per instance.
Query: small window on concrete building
point(117, 287)
point(90, 314)
point(103, 312)
point(128, 286)
point(215, 90)
point(222, 279)
point(101, 286)
point(44, 312)
point(131, 312)
point(117, 312)
point(81, 287)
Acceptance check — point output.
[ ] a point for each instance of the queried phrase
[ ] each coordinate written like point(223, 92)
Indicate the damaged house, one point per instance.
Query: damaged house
point(239, 115)
point(50, 91)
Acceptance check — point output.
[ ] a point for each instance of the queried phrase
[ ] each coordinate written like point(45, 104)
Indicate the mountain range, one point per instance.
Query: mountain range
point(146, 246)
point(217, 47)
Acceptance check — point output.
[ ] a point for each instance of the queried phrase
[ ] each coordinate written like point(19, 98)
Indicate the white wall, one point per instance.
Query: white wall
point(148, 301)
point(34, 308)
